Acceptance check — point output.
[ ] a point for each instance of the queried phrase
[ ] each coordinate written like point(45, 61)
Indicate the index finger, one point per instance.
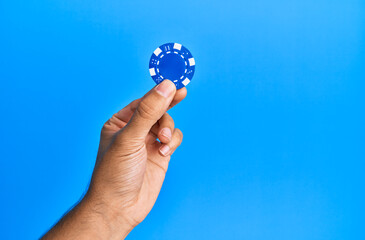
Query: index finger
point(179, 96)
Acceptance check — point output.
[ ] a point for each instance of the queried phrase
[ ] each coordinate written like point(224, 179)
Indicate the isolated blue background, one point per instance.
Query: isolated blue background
point(274, 144)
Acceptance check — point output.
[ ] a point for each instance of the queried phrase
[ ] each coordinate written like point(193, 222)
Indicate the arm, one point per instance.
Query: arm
point(129, 170)
point(89, 220)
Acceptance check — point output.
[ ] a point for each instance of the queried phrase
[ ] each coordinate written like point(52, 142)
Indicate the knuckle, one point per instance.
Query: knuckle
point(113, 124)
point(145, 110)
point(178, 139)
point(134, 104)
point(113, 118)
point(168, 120)
point(106, 125)
point(180, 135)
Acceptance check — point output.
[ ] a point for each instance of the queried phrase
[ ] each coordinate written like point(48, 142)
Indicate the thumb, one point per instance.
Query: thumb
point(151, 108)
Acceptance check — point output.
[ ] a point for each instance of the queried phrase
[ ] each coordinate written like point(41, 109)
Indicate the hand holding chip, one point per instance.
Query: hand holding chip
point(129, 170)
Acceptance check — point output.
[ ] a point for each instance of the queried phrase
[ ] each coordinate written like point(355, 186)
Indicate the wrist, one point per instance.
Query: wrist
point(106, 220)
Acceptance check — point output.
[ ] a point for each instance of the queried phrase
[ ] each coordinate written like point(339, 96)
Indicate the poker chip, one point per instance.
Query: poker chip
point(174, 62)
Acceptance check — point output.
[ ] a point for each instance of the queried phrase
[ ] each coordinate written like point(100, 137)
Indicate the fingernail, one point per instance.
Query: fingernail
point(164, 150)
point(165, 88)
point(166, 132)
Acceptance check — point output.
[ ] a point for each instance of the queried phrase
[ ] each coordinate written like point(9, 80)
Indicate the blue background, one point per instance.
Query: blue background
point(274, 133)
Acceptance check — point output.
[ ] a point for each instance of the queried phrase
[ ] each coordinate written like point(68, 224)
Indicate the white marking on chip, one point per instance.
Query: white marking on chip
point(177, 46)
point(186, 81)
point(152, 72)
point(168, 52)
point(157, 51)
point(191, 61)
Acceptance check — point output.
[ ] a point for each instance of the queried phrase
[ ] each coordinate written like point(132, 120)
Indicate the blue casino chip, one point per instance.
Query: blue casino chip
point(174, 62)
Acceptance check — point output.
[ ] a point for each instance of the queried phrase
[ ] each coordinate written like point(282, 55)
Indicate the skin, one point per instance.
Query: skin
point(129, 170)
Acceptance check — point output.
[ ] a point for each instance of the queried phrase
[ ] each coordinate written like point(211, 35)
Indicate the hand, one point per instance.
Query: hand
point(131, 163)
point(129, 170)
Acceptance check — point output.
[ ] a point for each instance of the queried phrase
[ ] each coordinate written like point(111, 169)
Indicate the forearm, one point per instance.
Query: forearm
point(89, 220)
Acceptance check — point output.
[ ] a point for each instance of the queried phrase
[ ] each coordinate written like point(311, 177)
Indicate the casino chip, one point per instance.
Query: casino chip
point(174, 62)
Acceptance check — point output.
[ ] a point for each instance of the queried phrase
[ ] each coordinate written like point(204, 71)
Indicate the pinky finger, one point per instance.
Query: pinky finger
point(169, 148)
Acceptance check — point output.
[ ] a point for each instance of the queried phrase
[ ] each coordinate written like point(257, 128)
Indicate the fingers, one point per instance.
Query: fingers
point(168, 148)
point(120, 119)
point(164, 128)
point(179, 96)
point(127, 112)
point(150, 109)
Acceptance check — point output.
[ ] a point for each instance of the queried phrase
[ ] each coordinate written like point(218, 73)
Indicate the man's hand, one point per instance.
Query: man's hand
point(130, 168)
